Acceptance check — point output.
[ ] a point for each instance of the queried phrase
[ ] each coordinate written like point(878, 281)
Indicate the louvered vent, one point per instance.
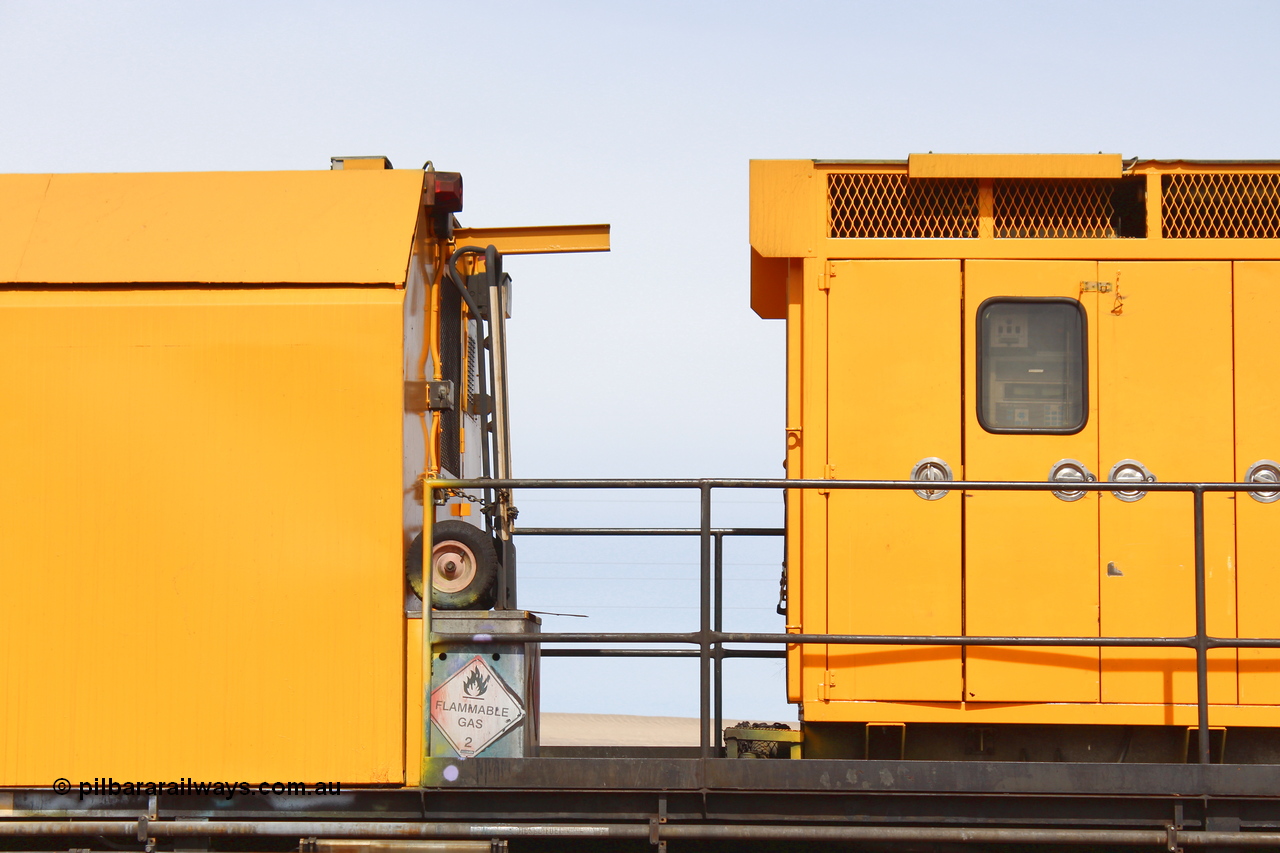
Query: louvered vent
point(1217, 206)
point(877, 205)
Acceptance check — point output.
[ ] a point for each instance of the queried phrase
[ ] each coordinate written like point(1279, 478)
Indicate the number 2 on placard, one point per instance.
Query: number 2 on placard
point(467, 745)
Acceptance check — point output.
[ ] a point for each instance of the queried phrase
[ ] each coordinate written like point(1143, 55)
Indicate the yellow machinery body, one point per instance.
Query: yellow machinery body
point(209, 453)
point(908, 288)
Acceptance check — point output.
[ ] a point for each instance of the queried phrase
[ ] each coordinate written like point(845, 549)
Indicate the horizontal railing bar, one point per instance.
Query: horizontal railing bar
point(660, 653)
point(859, 640)
point(646, 531)
point(1170, 837)
point(873, 485)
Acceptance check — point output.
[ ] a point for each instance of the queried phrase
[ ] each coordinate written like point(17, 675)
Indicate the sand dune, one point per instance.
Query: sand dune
point(621, 730)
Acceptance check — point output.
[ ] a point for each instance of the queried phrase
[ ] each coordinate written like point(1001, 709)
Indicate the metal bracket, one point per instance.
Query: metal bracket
point(430, 396)
point(656, 822)
point(1171, 843)
point(1095, 287)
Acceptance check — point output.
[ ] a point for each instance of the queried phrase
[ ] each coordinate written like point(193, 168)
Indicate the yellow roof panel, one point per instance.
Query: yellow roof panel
point(322, 227)
point(1015, 166)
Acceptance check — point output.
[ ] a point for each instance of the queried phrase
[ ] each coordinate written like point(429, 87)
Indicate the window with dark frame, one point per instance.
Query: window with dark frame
point(1031, 366)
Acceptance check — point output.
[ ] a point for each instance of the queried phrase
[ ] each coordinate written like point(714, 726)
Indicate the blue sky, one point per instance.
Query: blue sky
point(646, 361)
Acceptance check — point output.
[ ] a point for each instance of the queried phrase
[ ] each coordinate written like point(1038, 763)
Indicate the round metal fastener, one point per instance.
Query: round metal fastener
point(931, 469)
point(1130, 471)
point(1070, 471)
point(1264, 471)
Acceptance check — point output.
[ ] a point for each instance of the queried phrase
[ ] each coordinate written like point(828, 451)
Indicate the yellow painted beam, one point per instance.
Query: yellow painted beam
point(1054, 713)
point(319, 227)
point(1119, 249)
point(1202, 167)
point(1014, 165)
point(538, 239)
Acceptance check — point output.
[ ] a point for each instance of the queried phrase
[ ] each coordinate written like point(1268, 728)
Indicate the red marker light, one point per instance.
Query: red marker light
point(445, 191)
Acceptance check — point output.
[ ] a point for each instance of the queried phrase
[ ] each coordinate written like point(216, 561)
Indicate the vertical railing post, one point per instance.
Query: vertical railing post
point(428, 535)
point(718, 727)
point(1202, 633)
point(704, 630)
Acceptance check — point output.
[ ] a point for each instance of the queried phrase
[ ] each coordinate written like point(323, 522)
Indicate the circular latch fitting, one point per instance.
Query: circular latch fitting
point(1070, 471)
point(1264, 471)
point(931, 469)
point(1130, 471)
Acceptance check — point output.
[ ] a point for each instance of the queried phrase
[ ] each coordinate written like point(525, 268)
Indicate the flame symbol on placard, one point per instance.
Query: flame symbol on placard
point(475, 684)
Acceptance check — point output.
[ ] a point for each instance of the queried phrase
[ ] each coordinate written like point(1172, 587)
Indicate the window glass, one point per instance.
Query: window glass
point(1031, 366)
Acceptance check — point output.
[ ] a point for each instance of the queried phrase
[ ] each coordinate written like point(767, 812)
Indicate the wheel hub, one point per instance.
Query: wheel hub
point(453, 566)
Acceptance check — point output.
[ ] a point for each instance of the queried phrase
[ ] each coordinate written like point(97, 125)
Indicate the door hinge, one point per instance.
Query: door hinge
point(824, 687)
point(1095, 287)
point(824, 284)
point(828, 473)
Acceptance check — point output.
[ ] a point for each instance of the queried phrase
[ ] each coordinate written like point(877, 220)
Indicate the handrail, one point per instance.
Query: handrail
point(710, 640)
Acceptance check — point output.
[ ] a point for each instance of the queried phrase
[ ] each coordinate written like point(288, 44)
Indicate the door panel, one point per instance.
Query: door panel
point(894, 354)
point(1165, 396)
point(1030, 559)
point(1257, 325)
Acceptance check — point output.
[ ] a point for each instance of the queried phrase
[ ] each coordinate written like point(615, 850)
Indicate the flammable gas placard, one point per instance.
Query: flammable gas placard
point(474, 708)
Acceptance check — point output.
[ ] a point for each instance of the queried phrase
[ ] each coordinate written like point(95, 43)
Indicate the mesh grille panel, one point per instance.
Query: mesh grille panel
point(1054, 208)
point(872, 205)
point(1221, 206)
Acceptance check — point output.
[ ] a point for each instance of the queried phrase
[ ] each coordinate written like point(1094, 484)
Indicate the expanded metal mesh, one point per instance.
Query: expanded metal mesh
point(1215, 206)
point(879, 205)
point(1054, 208)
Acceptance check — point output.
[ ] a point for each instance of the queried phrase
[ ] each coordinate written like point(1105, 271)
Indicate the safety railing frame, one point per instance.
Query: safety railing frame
point(710, 639)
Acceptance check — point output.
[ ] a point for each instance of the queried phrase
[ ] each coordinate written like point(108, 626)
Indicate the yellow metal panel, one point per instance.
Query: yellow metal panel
point(413, 722)
point(200, 540)
point(894, 559)
point(340, 227)
point(1154, 224)
point(769, 286)
point(1031, 560)
point(788, 208)
point(1014, 165)
point(813, 512)
point(538, 239)
point(20, 199)
point(1165, 394)
point(373, 161)
point(1257, 327)
point(795, 553)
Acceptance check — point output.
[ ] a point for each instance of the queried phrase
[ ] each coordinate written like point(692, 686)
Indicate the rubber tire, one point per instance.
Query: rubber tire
point(479, 594)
